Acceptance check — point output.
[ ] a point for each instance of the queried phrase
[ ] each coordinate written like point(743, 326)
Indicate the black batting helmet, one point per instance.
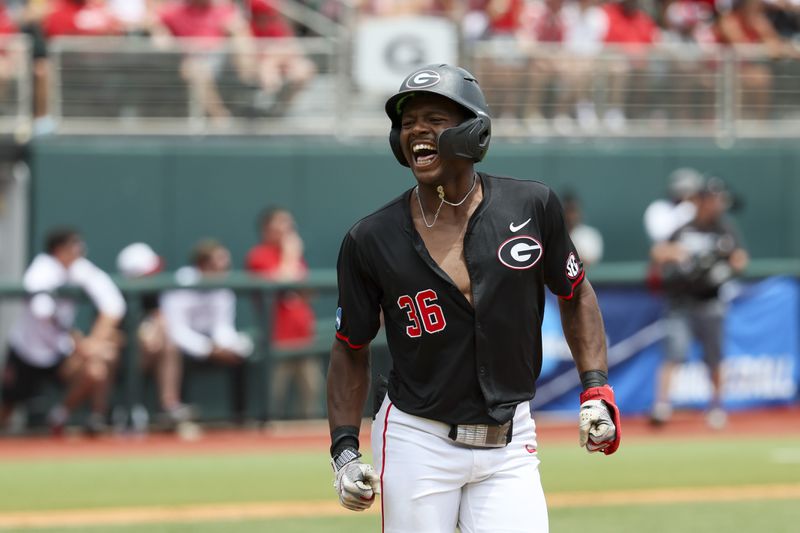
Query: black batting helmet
point(470, 139)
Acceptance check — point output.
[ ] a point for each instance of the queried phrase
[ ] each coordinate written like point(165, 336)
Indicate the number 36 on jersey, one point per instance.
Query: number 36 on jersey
point(423, 312)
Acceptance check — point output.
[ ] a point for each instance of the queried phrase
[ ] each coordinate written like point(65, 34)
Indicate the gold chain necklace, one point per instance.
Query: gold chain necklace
point(442, 201)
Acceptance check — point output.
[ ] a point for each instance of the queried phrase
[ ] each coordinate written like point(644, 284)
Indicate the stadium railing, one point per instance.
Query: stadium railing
point(131, 86)
point(663, 90)
point(16, 89)
point(320, 281)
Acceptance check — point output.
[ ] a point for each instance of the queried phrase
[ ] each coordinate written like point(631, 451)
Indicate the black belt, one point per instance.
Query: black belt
point(482, 435)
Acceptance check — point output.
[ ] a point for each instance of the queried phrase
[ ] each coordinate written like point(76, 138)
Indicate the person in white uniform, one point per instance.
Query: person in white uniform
point(43, 346)
point(202, 322)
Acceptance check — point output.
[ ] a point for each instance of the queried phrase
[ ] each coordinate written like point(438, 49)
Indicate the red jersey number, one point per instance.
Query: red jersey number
point(422, 308)
point(405, 302)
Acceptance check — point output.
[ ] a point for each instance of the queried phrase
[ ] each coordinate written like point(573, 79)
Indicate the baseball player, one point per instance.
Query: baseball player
point(457, 265)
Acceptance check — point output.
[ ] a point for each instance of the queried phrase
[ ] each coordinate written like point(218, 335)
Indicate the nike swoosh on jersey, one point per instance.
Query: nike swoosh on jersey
point(515, 229)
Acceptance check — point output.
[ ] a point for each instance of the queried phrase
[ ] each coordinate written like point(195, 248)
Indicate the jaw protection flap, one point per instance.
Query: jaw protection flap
point(468, 140)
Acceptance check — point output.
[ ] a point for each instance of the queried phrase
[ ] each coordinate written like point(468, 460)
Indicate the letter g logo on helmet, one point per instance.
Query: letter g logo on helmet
point(423, 79)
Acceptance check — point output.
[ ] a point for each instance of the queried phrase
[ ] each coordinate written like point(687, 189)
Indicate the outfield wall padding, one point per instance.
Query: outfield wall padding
point(171, 192)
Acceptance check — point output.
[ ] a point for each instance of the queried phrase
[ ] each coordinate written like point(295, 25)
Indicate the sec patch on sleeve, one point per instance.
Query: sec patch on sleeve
point(573, 267)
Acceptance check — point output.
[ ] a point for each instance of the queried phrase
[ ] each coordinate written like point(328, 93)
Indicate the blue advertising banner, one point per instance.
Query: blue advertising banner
point(761, 364)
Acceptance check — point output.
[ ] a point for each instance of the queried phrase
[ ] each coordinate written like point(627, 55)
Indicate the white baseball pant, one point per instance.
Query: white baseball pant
point(430, 484)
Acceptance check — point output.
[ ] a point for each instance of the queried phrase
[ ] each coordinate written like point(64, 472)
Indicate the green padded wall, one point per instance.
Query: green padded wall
point(171, 192)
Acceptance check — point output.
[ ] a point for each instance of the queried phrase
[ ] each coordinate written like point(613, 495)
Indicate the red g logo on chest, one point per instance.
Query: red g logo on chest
point(520, 253)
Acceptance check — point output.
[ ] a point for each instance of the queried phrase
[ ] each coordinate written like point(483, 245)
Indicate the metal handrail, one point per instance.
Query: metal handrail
point(16, 118)
point(318, 280)
point(721, 64)
point(336, 101)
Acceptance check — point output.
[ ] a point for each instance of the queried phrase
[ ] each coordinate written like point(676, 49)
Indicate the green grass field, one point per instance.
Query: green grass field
point(640, 467)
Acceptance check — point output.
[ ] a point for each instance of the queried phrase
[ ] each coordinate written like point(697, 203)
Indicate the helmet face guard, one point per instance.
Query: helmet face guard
point(468, 140)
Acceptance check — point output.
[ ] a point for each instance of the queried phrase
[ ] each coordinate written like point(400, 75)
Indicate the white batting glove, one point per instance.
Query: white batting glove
point(356, 483)
point(597, 429)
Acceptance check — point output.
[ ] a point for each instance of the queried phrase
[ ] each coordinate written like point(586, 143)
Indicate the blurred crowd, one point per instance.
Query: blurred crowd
point(182, 332)
point(276, 71)
point(628, 28)
point(516, 29)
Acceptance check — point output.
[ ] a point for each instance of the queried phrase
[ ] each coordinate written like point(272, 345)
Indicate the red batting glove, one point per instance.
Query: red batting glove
point(589, 420)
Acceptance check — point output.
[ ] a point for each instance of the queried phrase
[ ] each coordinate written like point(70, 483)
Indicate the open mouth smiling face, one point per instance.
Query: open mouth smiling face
point(423, 120)
point(424, 153)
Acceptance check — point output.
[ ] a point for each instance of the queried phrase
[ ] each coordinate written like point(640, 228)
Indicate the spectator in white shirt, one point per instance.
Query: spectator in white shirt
point(158, 353)
point(43, 346)
point(665, 215)
point(202, 322)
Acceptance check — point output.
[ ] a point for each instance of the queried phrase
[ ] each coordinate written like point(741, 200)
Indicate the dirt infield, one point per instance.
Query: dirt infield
point(328, 508)
point(310, 436)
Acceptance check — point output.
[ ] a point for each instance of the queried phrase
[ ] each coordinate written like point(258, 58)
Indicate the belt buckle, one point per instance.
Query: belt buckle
point(482, 435)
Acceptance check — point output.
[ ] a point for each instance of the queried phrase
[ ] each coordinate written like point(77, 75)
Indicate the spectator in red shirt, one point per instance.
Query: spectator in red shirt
point(504, 16)
point(7, 25)
point(630, 25)
point(65, 18)
point(81, 17)
point(631, 31)
point(279, 257)
point(283, 67)
point(209, 24)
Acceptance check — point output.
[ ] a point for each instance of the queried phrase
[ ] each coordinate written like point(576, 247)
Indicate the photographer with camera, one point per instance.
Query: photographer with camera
point(694, 263)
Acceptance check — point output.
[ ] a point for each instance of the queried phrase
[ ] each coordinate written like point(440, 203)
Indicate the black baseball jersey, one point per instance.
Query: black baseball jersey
point(452, 361)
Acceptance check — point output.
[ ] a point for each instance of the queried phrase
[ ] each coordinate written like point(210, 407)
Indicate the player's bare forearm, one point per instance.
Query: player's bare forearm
point(348, 385)
point(583, 329)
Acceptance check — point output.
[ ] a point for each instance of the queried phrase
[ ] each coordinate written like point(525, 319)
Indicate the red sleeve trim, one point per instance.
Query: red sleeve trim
point(574, 284)
point(346, 340)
